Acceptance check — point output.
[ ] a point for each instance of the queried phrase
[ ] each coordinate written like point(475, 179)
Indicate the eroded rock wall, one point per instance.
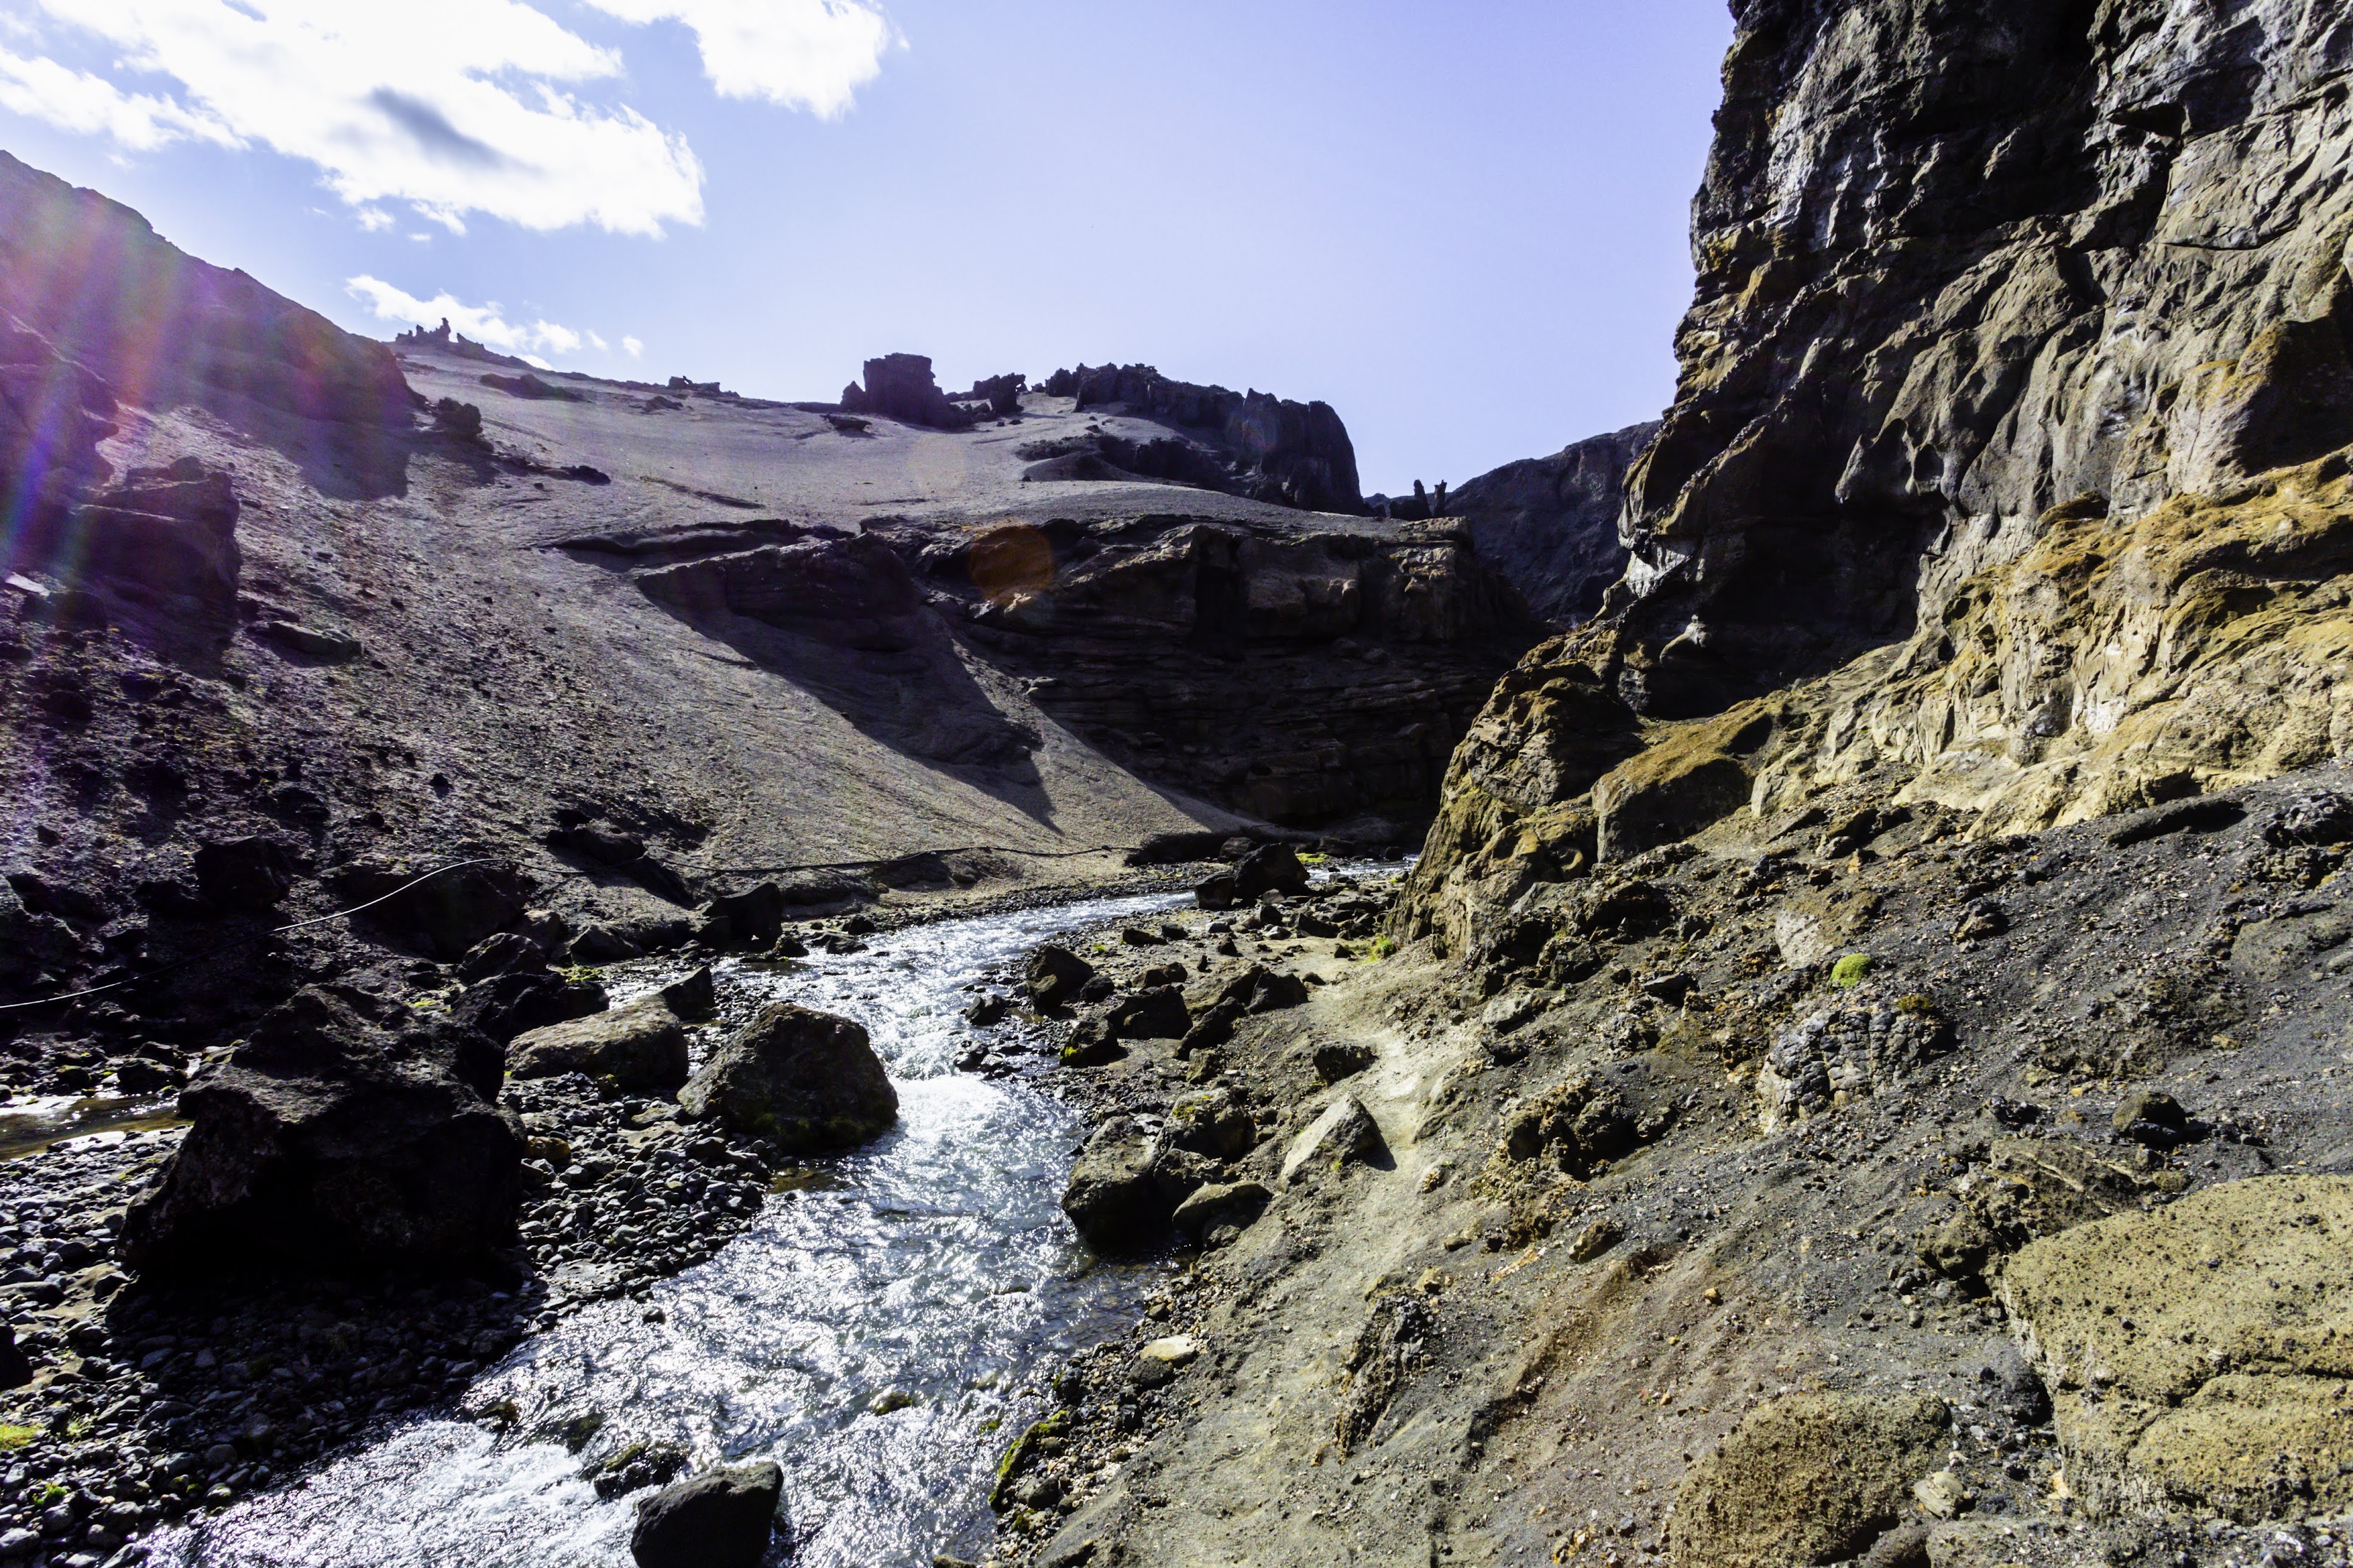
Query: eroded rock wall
point(2006, 468)
point(1959, 265)
point(1550, 524)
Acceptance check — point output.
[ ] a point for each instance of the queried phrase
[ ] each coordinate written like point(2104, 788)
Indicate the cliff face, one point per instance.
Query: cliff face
point(2007, 445)
point(1958, 265)
point(1550, 524)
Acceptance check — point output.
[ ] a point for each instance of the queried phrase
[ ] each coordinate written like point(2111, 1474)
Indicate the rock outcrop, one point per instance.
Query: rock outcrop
point(2011, 437)
point(1550, 524)
point(1304, 679)
point(1959, 266)
point(2225, 1383)
point(1255, 443)
point(901, 387)
point(338, 1134)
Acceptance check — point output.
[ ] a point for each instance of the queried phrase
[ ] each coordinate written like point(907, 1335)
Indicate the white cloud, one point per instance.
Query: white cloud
point(534, 362)
point(76, 100)
point(451, 106)
point(375, 219)
point(633, 348)
point(802, 54)
point(484, 323)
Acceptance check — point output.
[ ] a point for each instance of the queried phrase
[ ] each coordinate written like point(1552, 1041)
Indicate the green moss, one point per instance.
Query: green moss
point(1017, 1456)
point(1848, 971)
point(13, 1438)
point(1380, 947)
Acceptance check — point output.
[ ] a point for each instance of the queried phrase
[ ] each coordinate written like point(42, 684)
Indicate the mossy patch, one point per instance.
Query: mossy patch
point(1849, 972)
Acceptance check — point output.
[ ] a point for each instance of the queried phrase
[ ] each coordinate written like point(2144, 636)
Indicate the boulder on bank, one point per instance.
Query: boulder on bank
point(505, 1006)
point(345, 1131)
point(1809, 1478)
point(1155, 1012)
point(719, 1518)
point(806, 1082)
point(443, 914)
point(1055, 975)
point(2196, 1354)
point(1270, 868)
point(641, 1045)
point(1126, 1183)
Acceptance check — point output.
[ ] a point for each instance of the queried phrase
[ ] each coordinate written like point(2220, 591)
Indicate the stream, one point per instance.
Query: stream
point(882, 1335)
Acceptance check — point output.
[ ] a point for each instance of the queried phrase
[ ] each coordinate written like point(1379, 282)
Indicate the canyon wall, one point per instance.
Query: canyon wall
point(2005, 467)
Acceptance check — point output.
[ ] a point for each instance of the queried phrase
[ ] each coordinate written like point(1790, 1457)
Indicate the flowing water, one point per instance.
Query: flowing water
point(881, 1336)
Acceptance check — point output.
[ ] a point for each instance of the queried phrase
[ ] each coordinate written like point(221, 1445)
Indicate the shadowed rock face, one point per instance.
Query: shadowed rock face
point(1307, 678)
point(1550, 524)
point(1959, 265)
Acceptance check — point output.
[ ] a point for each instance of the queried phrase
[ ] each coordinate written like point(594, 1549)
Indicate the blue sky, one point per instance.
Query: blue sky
point(1463, 223)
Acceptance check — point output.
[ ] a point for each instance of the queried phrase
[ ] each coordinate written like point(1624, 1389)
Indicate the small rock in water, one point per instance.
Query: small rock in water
point(719, 1518)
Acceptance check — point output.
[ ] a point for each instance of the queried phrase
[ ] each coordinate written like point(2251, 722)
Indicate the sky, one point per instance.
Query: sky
point(1463, 223)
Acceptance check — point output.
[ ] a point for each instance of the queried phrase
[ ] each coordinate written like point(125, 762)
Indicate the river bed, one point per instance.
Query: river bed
point(882, 1334)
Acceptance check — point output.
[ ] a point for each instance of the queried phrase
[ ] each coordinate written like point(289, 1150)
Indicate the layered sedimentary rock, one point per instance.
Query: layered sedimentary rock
point(1550, 524)
point(2009, 444)
point(1305, 677)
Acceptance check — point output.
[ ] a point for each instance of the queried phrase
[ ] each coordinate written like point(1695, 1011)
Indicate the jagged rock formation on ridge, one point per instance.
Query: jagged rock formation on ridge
point(1550, 524)
point(1251, 444)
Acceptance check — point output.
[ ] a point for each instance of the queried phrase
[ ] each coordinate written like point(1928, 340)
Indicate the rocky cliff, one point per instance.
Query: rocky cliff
point(1550, 524)
point(2007, 440)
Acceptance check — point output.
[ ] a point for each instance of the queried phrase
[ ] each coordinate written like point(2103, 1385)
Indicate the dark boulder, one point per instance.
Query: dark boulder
point(505, 952)
point(641, 1045)
point(852, 593)
point(345, 1131)
point(1154, 1013)
point(719, 1518)
point(1217, 890)
point(803, 1082)
point(1270, 868)
point(245, 876)
point(755, 917)
point(1126, 1183)
point(1055, 975)
point(505, 1006)
point(442, 914)
point(1259, 989)
point(15, 1370)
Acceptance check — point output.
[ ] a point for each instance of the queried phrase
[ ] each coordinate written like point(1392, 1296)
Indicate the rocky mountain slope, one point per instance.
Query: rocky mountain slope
point(353, 610)
point(1863, 1074)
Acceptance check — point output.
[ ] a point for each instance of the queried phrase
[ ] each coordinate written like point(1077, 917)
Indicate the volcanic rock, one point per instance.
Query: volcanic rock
point(803, 1082)
point(719, 1518)
point(641, 1046)
point(340, 1133)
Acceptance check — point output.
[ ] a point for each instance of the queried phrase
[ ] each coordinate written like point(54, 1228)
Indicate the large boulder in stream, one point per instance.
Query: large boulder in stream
point(640, 1044)
point(803, 1082)
point(719, 1518)
point(346, 1130)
